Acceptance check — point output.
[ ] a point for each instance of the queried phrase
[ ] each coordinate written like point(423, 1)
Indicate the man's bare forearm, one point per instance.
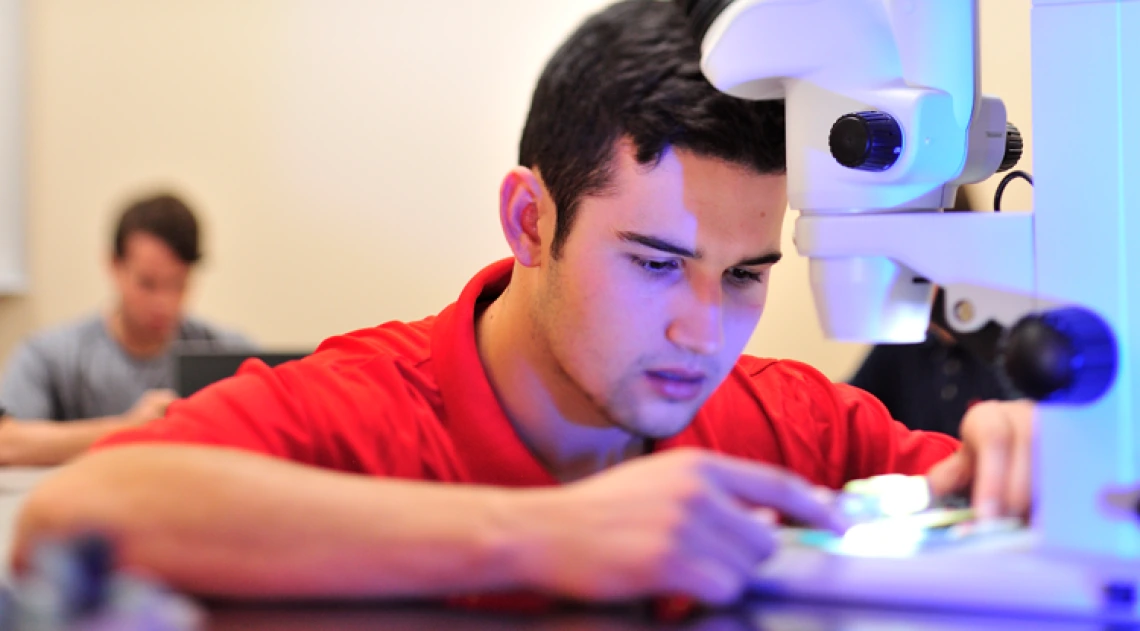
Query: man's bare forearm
point(227, 523)
point(45, 443)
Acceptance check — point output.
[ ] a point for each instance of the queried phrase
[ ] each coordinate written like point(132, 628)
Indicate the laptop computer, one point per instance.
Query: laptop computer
point(194, 370)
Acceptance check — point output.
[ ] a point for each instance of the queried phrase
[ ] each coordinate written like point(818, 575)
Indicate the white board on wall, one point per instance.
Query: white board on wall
point(13, 234)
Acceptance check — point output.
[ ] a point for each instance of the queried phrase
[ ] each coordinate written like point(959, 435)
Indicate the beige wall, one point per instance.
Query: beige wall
point(345, 154)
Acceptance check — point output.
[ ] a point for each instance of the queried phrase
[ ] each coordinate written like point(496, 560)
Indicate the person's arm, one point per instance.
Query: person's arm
point(34, 443)
point(227, 523)
point(39, 443)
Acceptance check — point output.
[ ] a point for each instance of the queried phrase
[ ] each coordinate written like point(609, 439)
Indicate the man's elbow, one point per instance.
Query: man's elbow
point(42, 513)
point(72, 500)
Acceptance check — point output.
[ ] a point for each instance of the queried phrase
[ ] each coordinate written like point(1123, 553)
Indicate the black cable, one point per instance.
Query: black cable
point(1009, 177)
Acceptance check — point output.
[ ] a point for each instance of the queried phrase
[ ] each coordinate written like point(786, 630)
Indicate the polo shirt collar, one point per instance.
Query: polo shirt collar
point(483, 436)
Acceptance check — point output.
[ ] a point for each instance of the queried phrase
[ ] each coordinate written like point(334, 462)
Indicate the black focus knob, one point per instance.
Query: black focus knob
point(87, 585)
point(868, 141)
point(1063, 356)
point(1013, 148)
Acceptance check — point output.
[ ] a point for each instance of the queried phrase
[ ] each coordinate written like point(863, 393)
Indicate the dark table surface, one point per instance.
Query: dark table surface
point(752, 616)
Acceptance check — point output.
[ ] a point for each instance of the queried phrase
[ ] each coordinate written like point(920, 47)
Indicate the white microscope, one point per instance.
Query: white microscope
point(884, 121)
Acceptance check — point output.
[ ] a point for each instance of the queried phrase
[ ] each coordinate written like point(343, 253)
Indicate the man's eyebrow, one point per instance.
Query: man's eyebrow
point(770, 258)
point(659, 244)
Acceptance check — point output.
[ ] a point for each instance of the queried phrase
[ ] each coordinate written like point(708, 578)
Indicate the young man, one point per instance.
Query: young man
point(579, 423)
point(115, 370)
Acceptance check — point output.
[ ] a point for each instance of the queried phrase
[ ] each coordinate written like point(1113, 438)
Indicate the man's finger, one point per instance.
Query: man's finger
point(707, 580)
point(952, 474)
point(751, 537)
point(728, 549)
point(1018, 494)
point(993, 448)
point(786, 492)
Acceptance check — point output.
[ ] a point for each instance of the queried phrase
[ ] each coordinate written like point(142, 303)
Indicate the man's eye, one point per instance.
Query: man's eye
point(656, 267)
point(742, 277)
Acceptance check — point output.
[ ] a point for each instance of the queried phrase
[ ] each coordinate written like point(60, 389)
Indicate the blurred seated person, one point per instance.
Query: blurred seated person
point(113, 370)
point(930, 385)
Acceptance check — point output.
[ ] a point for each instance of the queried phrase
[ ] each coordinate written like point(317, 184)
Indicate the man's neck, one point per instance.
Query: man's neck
point(135, 345)
point(560, 426)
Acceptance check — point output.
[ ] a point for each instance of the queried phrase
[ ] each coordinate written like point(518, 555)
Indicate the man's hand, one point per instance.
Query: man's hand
point(679, 522)
point(994, 458)
point(151, 405)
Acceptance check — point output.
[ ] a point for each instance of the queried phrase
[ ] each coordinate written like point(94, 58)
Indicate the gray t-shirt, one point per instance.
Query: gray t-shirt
point(79, 371)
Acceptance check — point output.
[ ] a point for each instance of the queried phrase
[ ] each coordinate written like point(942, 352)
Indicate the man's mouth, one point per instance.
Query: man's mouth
point(677, 385)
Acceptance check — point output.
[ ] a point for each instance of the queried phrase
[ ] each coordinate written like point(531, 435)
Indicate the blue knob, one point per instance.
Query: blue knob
point(1063, 356)
point(868, 141)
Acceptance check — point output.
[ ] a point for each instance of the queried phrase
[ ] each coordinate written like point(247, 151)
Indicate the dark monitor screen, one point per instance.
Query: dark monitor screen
point(195, 370)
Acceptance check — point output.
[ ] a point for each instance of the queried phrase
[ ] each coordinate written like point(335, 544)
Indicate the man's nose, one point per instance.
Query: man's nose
point(166, 302)
point(698, 325)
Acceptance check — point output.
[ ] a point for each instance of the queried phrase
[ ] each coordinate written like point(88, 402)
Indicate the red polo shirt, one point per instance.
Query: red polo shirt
point(411, 400)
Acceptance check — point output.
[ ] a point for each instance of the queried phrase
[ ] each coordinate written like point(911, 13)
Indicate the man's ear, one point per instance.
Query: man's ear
point(521, 199)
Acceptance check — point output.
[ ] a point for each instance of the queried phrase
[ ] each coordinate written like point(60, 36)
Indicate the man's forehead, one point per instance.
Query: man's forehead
point(694, 195)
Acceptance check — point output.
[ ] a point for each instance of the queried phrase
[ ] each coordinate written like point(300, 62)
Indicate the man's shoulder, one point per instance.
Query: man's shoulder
point(776, 411)
point(764, 369)
point(782, 388)
point(67, 336)
point(793, 389)
point(389, 362)
point(393, 340)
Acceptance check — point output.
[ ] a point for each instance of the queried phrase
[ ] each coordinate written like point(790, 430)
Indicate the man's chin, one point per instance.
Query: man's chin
point(660, 424)
point(157, 334)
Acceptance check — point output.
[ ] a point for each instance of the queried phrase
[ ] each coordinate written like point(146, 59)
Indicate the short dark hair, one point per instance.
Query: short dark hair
point(166, 217)
point(633, 71)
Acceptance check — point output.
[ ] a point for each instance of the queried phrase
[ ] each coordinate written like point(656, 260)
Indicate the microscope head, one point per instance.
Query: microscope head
point(883, 116)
